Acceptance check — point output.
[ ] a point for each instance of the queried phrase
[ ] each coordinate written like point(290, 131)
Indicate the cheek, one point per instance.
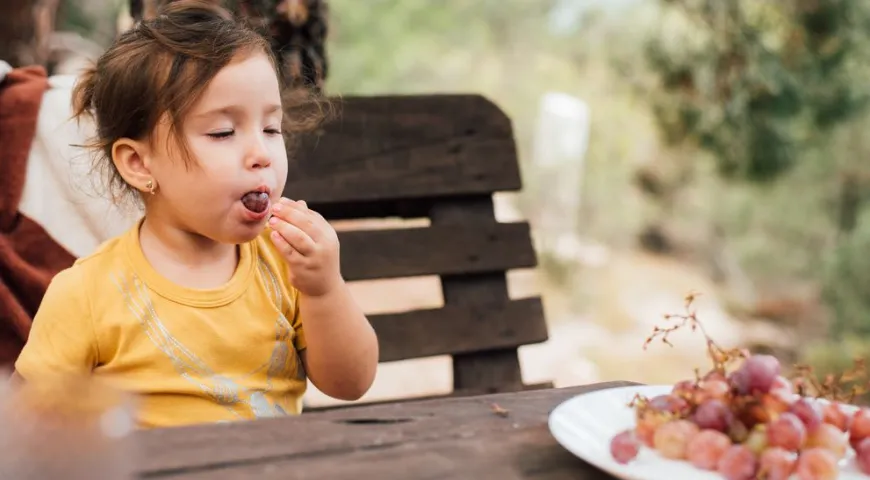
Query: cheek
point(279, 164)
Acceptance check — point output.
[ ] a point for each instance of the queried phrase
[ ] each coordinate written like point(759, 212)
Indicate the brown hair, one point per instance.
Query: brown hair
point(161, 67)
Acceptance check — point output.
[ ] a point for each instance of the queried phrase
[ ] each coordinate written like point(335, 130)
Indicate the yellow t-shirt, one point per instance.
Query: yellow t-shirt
point(189, 355)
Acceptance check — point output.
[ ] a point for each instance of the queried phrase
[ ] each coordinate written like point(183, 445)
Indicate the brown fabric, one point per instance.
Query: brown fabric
point(29, 257)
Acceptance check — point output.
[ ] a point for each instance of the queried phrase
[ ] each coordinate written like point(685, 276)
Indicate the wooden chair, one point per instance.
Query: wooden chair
point(441, 157)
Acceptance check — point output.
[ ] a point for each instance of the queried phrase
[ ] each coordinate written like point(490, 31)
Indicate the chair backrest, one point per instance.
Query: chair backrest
point(441, 157)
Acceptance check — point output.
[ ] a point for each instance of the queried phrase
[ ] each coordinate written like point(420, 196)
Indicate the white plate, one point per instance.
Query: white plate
point(585, 424)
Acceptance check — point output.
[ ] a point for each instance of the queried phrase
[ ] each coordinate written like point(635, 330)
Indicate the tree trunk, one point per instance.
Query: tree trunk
point(25, 28)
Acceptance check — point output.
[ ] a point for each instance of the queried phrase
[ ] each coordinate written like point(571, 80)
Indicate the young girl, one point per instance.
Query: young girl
point(224, 298)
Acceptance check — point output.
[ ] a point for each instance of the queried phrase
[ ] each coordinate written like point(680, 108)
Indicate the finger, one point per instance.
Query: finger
point(299, 216)
point(293, 235)
point(281, 245)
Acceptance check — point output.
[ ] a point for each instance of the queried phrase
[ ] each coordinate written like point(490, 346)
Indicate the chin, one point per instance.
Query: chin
point(249, 234)
point(240, 234)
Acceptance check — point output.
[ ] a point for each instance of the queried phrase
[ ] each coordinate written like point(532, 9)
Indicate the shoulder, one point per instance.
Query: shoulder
point(86, 272)
point(107, 256)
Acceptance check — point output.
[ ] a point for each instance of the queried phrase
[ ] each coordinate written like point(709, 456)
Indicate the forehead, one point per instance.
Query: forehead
point(248, 81)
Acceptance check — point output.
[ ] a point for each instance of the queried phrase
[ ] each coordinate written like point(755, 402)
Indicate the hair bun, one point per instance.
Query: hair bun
point(194, 11)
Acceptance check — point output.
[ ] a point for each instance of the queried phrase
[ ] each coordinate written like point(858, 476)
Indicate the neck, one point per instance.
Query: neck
point(183, 247)
point(186, 258)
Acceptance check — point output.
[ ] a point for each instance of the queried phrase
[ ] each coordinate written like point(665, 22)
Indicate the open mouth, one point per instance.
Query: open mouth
point(256, 202)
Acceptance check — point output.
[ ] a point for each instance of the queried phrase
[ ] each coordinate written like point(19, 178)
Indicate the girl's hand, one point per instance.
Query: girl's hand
point(309, 245)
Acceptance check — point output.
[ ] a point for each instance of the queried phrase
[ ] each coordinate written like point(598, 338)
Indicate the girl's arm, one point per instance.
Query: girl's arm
point(341, 356)
point(342, 350)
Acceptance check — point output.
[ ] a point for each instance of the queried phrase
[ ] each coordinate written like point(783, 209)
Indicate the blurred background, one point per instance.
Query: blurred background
point(667, 146)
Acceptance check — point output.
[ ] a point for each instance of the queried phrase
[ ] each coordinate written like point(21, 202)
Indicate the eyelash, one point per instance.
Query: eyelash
point(229, 133)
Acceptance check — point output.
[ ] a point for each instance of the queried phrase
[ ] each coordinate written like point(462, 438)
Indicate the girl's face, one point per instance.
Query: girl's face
point(237, 152)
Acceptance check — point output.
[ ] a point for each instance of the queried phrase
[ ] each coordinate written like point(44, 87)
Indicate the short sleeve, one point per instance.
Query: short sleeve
point(62, 338)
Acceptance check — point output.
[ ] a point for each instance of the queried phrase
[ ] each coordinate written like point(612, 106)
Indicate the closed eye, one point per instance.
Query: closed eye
point(221, 134)
point(273, 131)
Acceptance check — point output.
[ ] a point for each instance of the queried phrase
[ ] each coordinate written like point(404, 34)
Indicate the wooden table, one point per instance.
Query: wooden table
point(444, 438)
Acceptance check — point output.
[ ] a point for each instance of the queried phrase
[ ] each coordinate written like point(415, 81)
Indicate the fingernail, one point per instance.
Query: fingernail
point(273, 221)
point(276, 207)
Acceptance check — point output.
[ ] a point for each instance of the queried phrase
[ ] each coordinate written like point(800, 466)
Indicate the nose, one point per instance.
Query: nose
point(258, 155)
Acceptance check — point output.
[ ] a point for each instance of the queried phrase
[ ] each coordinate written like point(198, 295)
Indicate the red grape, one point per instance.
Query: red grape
point(832, 413)
point(624, 447)
point(830, 438)
point(685, 389)
point(715, 375)
point(763, 370)
point(713, 414)
point(739, 381)
point(713, 388)
point(647, 425)
point(706, 448)
point(756, 375)
point(787, 432)
point(738, 463)
point(776, 464)
point(809, 412)
point(672, 438)
point(862, 455)
point(669, 404)
point(860, 426)
point(817, 464)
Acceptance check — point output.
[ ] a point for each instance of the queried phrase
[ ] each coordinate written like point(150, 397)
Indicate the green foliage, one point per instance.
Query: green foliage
point(756, 83)
point(73, 18)
point(848, 282)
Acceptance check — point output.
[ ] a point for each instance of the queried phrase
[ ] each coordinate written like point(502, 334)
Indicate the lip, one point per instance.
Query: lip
point(262, 189)
point(254, 216)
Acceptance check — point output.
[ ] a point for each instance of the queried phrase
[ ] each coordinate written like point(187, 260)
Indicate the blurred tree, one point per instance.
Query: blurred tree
point(25, 26)
point(297, 29)
point(775, 91)
point(755, 83)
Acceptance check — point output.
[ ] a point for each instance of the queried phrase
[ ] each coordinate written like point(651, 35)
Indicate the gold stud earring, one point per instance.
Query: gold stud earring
point(152, 189)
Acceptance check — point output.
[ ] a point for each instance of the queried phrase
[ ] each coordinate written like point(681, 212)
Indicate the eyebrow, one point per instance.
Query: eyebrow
point(235, 110)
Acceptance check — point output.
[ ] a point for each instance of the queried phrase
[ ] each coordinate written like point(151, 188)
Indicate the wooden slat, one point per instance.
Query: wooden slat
point(481, 368)
point(385, 148)
point(438, 250)
point(459, 329)
point(527, 453)
point(211, 449)
point(455, 394)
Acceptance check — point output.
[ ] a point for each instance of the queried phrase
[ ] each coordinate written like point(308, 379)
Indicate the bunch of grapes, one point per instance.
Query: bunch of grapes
point(749, 424)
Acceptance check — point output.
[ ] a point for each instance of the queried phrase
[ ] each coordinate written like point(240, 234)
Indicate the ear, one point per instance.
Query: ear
point(131, 159)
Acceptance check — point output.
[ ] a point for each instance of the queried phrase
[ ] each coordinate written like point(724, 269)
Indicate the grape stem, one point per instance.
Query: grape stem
point(833, 387)
point(721, 357)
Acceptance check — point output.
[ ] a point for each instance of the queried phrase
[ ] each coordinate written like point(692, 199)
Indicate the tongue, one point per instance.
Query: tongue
point(256, 202)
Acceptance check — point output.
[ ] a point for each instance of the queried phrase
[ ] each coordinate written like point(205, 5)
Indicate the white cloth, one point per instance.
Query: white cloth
point(60, 192)
point(5, 68)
